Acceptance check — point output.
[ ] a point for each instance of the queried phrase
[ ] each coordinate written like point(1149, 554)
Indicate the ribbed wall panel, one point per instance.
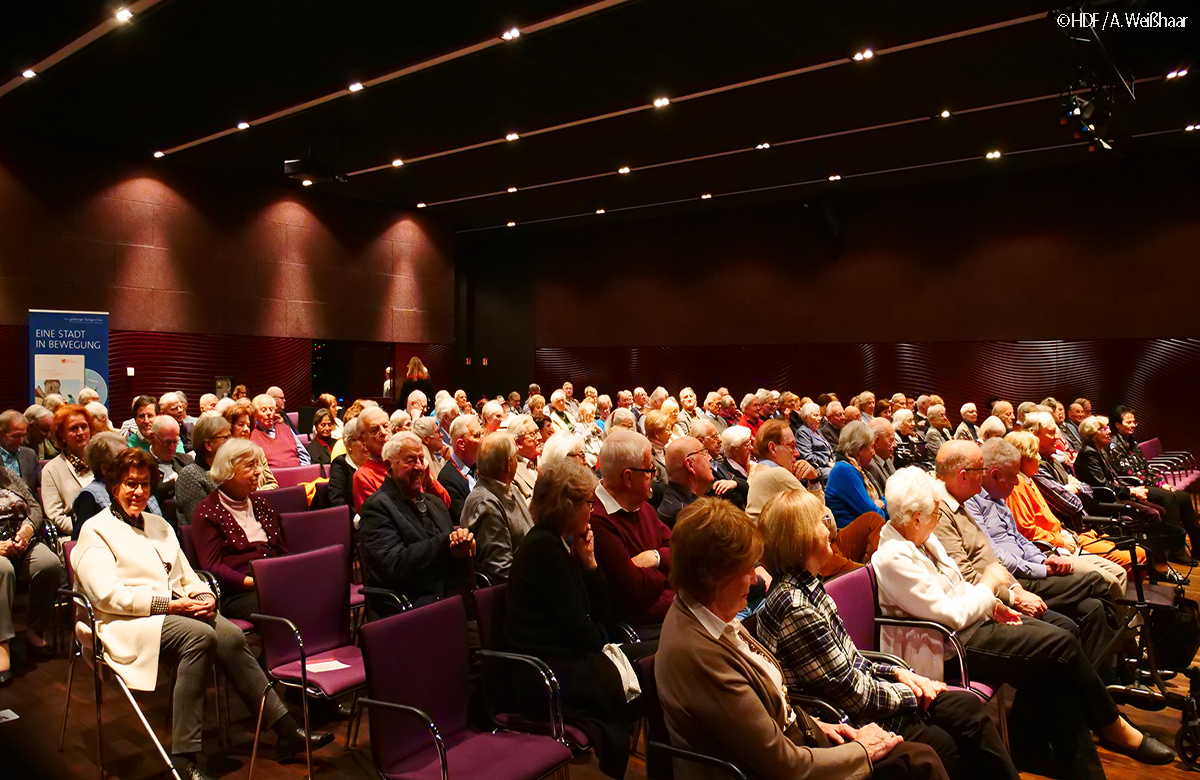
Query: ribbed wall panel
point(1149, 374)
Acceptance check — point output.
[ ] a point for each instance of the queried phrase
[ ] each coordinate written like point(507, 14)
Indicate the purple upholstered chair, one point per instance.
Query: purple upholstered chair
point(490, 609)
point(285, 499)
point(297, 475)
point(187, 540)
point(857, 598)
point(417, 683)
point(317, 528)
point(304, 617)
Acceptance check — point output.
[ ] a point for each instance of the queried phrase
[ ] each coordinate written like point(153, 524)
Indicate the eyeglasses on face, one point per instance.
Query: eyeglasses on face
point(643, 471)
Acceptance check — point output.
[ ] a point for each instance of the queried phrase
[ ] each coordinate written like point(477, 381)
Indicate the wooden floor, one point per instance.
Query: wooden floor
point(29, 745)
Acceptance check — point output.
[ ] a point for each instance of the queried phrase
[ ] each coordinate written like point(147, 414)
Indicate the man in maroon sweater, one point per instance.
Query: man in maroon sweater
point(632, 545)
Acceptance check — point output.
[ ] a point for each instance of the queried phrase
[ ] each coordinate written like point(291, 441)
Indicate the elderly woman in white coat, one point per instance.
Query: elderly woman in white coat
point(494, 510)
point(149, 604)
point(1059, 695)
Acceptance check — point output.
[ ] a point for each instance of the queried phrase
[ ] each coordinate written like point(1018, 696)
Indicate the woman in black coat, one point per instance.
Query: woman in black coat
point(1094, 467)
point(557, 601)
point(416, 378)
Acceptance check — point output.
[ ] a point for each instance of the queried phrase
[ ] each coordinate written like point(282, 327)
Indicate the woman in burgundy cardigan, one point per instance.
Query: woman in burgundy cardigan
point(232, 528)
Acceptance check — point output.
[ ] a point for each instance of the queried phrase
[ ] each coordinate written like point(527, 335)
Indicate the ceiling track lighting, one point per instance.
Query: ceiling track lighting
point(307, 182)
point(1190, 128)
point(763, 146)
point(993, 155)
point(945, 114)
point(396, 163)
point(623, 169)
point(243, 126)
point(511, 137)
point(28, 73)
point(865, 54)
point(420, 205)
point(706, 196)
point(356, 87)
point(511, 34)
point(512, 189)
point(124, 15)
point(599, 211)
point(1177, 74)
point(835, 177)
point(661, 102)
point(512, 224)
point(159, 155)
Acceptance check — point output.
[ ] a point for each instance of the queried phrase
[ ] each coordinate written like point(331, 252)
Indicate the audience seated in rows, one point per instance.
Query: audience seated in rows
point(276, 438)
point(494, 511)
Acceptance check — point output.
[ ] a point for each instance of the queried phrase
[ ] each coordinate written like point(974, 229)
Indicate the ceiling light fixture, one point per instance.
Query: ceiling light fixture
point(706, 196)
point(865, 54)
point(124, 15)
point(511, 137)
point(28, 73)
point(993, 155)
point(512, 224)
point(1190, 128)
point(945, 115)
point(420, 205)
point(243, 125)
point(511, 35)
point(512, 189)
point(763, 146)
point(396, 163)
point(623, 169)
point(835, 177)
point(599, 211)
point(307, 182)
point(662, 101)
point(356, 87)
point(159, 155)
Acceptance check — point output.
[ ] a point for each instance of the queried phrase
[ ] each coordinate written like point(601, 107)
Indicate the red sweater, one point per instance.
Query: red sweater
point(639, 596)
point(281, 451)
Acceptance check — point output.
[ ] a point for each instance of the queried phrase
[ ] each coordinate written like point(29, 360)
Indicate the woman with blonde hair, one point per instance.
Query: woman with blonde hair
point(240, 417)
point(416, 377)
point(801, 627)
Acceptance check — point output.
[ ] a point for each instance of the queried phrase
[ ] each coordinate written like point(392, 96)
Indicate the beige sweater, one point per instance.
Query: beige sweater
point(765, 483)
point(120, 569)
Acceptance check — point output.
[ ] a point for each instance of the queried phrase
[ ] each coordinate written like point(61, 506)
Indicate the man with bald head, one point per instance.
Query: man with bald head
point(278, 441)
point(1070, 426)
point(724, 485)
point(689, 475)
point(853, 414)
point(1005, 412)
point(373, 431)
point(164, 446)
point(281, 407)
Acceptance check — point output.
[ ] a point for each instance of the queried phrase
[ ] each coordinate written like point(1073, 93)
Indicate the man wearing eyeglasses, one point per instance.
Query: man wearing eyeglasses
point(633, 546)
point(689, 474)
point(164, 446)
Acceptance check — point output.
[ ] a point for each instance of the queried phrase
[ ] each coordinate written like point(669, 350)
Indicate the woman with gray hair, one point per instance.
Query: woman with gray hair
point(991, 428)
point(232, 527)
point(810, 444)
point(341, 470)
point(1059, 695)
point(848, 492)
point(967, 430)
point(195, 483)
point(494, 511)
point(431, 440)
point(910, 448)
point(938, 432)
point(587, 427)
point(559, 417)
point(621, 418)
point(562, 445)
point(101, 452)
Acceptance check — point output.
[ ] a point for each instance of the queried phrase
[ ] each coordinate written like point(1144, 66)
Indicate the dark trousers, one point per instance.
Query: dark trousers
point(239, 604)
point(1059, 695)
point(957, 726)
point(1177, 510)
point(910, 761)
point(1080, 597)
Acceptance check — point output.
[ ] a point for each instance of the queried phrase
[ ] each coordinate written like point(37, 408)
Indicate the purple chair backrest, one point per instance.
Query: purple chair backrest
point(310, 589)
point(294, 417)
point(1152, 448)
point(433, 640)
point(317, 528)
point(854, 595)
point(490, 609)
point(68, 548)
point(285, 499)
point(296, 475)
point(187, 540)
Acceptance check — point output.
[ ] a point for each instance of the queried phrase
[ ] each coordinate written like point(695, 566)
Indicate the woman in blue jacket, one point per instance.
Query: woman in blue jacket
point(848, 492)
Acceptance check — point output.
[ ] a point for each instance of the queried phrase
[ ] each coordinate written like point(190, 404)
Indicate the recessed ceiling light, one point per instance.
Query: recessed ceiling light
point(763, 146)
point(835, 177)
point(993, 155)
point(623, 169)
point(511, 137)
point(511, 35)
point(662, 101)
point(865, 54)
point(1190, 128)
point(945, 115)
point(1181, 73)
point(420, 205)
point(356, 87)
point(124, 15)
point(396, 163)
point(1174, 74)
point(512, 224)
point(307, 182)
point(706, 196)
point(159, 155)
point(599, 211)
point(28, 73)
point(243, 125)
point(512, 189)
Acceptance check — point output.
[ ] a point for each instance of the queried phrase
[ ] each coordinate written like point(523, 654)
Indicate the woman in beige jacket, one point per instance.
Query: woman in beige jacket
point(150, 606)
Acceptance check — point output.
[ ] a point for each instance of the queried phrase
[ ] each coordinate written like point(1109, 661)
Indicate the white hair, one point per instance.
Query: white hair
point(424, 426)
point(224, 404)
point(763, 395)
point(458, 428)
point(233, 454)
point(263, 400)
point(1036, 422)
point(208, 398)
point(854, 438)
point(97, 409)
point(416, 395)
point(491, 407)
point(935, 410)
point(87, 395)
point(585, 409)
point(968, 405)
point(992, 426)
point(623, 449)
point(621, 418)
point(168, 398)
point(162, 423)
point(398, 417)
point(557, 395)
point(808, 408)
point(351, 432)
point(561, 446)
point(901, 416)
point(446, 406)
point(733, 437)
point(441, 395)
point(392, 447)
point(911, 491)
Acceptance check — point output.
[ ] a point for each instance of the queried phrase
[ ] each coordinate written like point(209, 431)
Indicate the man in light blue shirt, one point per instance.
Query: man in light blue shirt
point(1052, 578)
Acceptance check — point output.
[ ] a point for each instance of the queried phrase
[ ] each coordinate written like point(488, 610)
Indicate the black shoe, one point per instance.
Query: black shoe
point(188, 769)
point(1151, 751)
point(1174, 578)
point(5, 677)
point(1182, 558)
point(288, 747)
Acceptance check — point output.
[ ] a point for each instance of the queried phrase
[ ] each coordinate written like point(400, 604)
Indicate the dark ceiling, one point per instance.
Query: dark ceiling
point(187, 69)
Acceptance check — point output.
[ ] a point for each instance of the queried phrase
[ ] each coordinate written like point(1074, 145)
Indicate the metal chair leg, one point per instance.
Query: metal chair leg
point(262, 706)
point(307, 741)
point(350, 723)
point(356, 718)
point(162, 752)
point(62, 734)
point(99, 721)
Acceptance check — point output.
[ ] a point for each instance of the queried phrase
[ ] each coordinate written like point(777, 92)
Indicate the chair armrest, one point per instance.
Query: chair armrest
point(548, 679)
point(258, 617)
point(403, 603)
point(420, 715)
point(624, 630)
point(211, 581)
point(79, 599)
point(482, 580)
point(698, 758)
point(819, 708)
point(1131, 481)
point(1045, 547)
point(1103, 494)
point(950, 635)
point(885, 658)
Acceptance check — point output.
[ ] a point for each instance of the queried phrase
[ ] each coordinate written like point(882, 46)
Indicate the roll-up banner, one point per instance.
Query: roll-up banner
point(68, 351)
